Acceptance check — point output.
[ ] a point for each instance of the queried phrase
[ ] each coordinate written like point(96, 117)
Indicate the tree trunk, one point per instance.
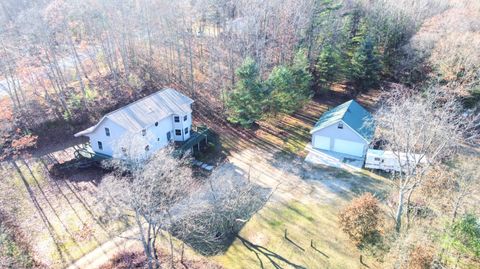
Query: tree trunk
point(398, 215)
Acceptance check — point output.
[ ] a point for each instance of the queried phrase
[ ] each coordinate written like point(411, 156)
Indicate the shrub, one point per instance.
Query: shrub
point(463, 237)
point(420, 257)
point(361, 219)
point(24, 142)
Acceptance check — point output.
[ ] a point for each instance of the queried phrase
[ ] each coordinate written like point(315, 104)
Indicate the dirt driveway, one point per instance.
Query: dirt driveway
point(292, 178)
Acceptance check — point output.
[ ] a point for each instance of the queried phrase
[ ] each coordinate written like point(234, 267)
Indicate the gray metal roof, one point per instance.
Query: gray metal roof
point(146, 111)
point(351, 113)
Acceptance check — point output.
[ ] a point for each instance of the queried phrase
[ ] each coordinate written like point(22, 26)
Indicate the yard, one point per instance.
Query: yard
point(63, 220)
point(305, 205)
point(59, 216)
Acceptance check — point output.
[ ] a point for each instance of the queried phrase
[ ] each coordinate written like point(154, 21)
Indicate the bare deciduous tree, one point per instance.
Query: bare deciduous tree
point(147, 190)
point(420, 128)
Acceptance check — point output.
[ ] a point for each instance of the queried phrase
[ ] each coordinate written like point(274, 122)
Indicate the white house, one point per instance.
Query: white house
point(147, 125)
point(346, 129)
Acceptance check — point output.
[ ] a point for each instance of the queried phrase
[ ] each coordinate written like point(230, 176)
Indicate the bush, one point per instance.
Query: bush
point(420, 257)
point(361, 219)
point(463, 238)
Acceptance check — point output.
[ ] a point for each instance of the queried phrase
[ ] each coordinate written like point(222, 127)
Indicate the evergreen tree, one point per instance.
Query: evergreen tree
point(245, 103)
point(279, 85)
point(328, 68)
point(365, 66)
point(289, 87)
point(302, 76)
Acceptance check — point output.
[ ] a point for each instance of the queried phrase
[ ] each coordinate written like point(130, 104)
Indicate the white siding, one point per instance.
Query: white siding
point(155, 136)
point(344, 134)
point(108, 142)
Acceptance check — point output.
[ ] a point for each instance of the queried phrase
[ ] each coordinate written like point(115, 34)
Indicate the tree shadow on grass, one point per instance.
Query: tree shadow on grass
point(271, 256)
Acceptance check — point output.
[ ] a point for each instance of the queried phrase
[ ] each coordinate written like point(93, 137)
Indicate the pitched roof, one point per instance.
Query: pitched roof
point(146, 111)
point(352, 114)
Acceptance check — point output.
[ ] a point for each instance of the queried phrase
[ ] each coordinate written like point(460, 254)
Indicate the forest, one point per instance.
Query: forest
point(248, 64)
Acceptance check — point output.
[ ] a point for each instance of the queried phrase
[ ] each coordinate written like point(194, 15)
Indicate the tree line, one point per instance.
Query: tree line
point(73, 60)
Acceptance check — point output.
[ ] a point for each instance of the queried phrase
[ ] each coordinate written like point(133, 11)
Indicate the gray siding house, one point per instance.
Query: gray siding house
point(347, 129)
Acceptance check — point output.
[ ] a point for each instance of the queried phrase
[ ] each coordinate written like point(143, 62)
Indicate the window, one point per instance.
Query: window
point(100, 145)
point(169, 136)
point(186, 130)
point(147, 147)
point(176, 119)
point(178, 132)
point(144, 132)
point(340, 125)
point(377, 159)
point(156, 123)
point(185, 118)
point(107, 132)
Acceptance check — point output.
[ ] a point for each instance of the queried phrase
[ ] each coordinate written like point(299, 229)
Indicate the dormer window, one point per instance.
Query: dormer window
point(107, 132)
point(340, 125)
point(176, 118)
point(156, 123)
point(144, 132)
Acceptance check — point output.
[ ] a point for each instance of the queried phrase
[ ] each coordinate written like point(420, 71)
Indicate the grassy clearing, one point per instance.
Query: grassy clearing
point(262, 242)
point(307, 207)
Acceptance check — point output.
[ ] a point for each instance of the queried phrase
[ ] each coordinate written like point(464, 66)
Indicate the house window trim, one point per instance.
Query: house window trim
point(185, 118)
point(144, 132)
point(107, 131)
point(186, 130)
point(340, 125)
point(176, 119)
point(179, 131)
point(100, 145)
point(169, 136)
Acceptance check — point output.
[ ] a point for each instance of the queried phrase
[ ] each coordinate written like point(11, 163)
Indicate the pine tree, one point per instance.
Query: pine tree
point(328, 69)
point(365, 66)
point(289, 87)
point(245, 103)
point(279, 85)
point(302, 76)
